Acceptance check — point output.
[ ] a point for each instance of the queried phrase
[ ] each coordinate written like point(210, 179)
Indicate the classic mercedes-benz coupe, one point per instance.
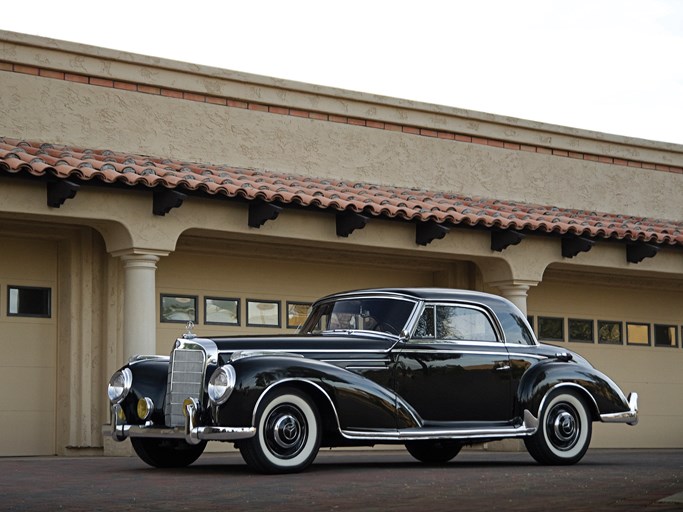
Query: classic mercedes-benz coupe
point(431, 369)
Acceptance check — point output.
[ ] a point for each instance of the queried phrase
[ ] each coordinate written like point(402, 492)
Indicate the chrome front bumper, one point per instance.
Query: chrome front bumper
point(630, 417)
point(190, 433)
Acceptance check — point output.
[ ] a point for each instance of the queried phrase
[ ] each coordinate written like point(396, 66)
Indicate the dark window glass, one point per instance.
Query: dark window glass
point(581, 330)
point(460, 323)
point(609, 332)
point(425, 325)
point(665, 336)
point(550, 328)
point(516, 331)
point(29, 301)
point(637, 334)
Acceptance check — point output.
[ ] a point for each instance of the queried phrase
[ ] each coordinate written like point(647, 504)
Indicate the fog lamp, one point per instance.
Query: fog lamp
point(145, 408)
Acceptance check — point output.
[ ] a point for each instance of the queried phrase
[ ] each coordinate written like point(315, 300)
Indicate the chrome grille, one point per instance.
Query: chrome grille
point(185, 378)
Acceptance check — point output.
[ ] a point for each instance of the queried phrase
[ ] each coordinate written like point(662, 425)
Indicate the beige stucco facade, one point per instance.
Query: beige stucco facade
point(108, 259)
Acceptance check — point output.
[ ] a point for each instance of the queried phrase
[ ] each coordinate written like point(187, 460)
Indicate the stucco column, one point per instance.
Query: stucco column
point(516, 292)
point(139, 302)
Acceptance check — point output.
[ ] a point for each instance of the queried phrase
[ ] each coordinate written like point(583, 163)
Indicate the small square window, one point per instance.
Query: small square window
point(221, 311)
point(665, 336)
point(550, 328)
point(29, 301)
point(610, 333)
point(178, 308)
point(263, 313)
point(637, 334)
point(581, 330)
point(297, 312)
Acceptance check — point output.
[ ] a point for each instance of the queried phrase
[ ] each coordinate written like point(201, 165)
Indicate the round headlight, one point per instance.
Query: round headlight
point(119, 385)
point(221, 384)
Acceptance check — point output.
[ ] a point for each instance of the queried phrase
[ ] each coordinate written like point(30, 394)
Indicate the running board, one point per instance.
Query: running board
point(528, 427)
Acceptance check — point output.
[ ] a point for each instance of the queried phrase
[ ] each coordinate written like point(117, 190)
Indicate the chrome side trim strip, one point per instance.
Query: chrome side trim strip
point(528, 427)
point(629, 417)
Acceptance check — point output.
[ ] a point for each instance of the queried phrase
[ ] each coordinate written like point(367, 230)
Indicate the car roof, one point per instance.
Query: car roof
point(432, 294)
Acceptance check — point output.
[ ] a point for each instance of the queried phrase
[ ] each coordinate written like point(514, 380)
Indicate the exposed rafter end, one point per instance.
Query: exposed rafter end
point(501, 239)
point(166, 199)
point(638, 251)
point(59, 191)
point(348, 221)
point(573, 245)
point(427, 232)
point(261, 212)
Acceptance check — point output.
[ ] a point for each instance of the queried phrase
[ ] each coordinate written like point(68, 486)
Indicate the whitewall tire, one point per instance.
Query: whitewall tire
point(287, 433)
point(564, 430)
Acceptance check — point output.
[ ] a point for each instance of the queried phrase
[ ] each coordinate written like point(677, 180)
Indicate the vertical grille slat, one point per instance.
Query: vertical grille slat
point(185, 378)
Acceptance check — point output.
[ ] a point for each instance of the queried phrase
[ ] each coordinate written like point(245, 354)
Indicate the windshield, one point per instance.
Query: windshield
point(388, 315)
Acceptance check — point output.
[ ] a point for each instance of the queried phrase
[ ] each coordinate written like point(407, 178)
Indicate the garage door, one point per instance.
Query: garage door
point(28, 346)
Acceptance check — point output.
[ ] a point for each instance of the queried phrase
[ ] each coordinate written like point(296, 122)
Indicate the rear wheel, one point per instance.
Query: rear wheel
point(288, 433)
point(564, 430)
point(433, 452)
point(167, 453)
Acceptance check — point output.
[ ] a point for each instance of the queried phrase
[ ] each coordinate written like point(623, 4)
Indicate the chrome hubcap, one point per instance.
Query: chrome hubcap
point(285, 431)
point(563, 426)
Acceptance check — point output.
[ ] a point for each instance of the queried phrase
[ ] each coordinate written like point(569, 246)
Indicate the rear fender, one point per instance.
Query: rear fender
point(601, 394)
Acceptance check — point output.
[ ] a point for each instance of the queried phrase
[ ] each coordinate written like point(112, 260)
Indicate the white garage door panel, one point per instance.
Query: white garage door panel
point(27, 433)
point(34, 389)
point(28, 351)
point(27, 344)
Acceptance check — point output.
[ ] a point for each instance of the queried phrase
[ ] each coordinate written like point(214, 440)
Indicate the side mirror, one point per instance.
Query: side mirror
point(404, 336)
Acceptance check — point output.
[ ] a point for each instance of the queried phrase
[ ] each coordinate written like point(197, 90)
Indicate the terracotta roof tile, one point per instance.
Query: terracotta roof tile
point(40, 159)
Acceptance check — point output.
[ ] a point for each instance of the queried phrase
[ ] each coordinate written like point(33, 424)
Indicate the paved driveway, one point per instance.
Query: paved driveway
point(340, 480)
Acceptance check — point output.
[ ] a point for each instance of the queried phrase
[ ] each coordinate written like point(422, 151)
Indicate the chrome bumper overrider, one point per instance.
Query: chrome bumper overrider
point(630, 416)
point(190, 433)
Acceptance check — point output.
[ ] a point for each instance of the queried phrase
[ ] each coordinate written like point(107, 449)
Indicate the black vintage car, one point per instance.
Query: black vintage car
point(431, 369)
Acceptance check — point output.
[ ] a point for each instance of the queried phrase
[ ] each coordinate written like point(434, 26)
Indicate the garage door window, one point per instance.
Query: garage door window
point(29, 301)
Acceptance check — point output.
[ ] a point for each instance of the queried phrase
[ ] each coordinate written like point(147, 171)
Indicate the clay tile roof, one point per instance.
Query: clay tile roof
point(41, 159)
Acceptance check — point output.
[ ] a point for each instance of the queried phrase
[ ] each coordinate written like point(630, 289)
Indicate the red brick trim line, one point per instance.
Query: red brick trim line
point(333, 118)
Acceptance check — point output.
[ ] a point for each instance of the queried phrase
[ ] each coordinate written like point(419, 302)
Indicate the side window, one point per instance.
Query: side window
point(425, 325)
point(462, 323)
point(515, 329)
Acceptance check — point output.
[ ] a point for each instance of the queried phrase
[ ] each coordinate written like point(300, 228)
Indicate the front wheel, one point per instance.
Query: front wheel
point(167, 453)
point(433, 452)
point(564, 431)
point(287, 433)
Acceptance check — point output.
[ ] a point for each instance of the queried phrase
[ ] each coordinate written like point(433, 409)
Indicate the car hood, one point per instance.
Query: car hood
point(306, 344)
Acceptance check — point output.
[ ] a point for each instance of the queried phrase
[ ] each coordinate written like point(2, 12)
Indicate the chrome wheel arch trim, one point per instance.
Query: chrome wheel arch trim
point(584, 392)
point(303, 381)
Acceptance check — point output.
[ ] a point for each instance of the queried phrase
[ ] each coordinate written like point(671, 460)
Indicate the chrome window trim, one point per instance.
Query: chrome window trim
point(490, 315)
point(389, 295)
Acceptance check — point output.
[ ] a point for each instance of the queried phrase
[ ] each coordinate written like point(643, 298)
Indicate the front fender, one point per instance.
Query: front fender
point(149, 380)
point(356, 401)
point(601, 393)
